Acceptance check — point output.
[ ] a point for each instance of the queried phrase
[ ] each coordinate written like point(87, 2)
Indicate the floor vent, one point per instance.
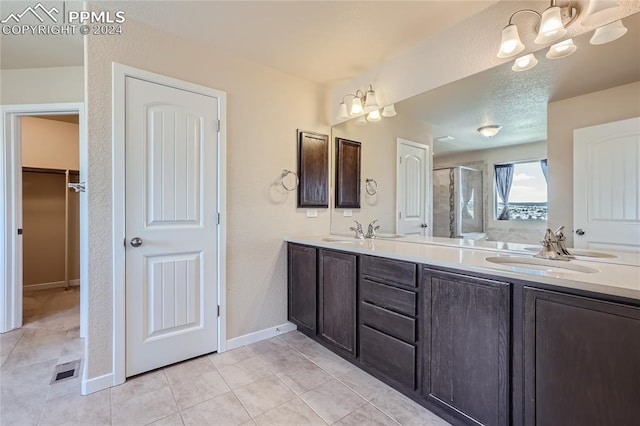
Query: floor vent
point(66, 371)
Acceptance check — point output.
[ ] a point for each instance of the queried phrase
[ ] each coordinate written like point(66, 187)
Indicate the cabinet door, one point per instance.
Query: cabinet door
point(337, 284)
point(581, 361)
point(466, 345)
point(302, 288)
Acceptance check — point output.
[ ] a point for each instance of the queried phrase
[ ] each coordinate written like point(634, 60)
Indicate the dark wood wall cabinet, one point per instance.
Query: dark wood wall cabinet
point(475, 350)
point(313, 169)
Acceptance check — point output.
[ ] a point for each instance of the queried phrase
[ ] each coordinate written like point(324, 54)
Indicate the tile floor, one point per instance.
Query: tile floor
point(286, 380)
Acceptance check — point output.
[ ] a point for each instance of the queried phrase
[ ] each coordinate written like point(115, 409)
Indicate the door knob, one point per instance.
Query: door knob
point(136, 242)
point(580, 231)
point(424, 225)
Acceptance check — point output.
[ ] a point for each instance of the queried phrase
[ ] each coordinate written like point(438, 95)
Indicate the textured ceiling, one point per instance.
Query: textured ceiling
point(518, 101)
point(321, 41)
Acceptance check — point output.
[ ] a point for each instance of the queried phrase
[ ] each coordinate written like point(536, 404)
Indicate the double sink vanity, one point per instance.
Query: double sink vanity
point(478, 332)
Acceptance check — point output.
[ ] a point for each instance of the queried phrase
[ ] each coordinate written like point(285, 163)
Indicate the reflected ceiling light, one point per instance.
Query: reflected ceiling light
point(489, 131)
point(525, 63)
point(562, 49)
point(366, 103)
point(389, 111)
point(608, 33)
point(600, 11)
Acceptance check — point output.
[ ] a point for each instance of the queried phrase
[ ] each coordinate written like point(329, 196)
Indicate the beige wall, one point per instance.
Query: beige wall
point(42, 85)
point(265, 107)
point(379, 146)
point(500, 230)
point(49, 144)
point(563, 117)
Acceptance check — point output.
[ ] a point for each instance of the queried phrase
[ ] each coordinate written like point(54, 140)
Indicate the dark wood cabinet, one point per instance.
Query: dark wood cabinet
point(337, 283)
point(465, 336)
point(581, 361)
point(302, 287)
point(388, 311)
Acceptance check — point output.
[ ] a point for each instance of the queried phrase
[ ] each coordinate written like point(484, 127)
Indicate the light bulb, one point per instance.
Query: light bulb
point(374, 115)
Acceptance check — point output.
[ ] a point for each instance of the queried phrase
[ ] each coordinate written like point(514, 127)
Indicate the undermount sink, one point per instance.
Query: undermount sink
point(389, 236)
point(341, 239)
point(533, 265)
point(580, 252)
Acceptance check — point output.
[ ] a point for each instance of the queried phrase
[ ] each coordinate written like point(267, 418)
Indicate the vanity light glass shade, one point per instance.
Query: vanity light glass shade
point(361, 121)
point(343, 113)
point(551, 26)
point(524, 63)
point(601, 11)
point(489, 131)
point(608, 33)
point(374, 115)
point(356, 106)
point(511, 44)
point(371, 102)
point(389, 111)
point(562, 49)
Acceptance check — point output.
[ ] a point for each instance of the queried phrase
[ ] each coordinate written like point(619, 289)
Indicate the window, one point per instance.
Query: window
point(525, 187)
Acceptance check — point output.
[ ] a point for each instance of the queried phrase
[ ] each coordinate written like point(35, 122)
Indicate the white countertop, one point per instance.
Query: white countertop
point(621, 280)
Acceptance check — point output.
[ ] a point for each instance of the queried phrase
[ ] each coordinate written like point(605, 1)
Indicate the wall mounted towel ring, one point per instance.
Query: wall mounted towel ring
point(286, 173)
point(371, 186)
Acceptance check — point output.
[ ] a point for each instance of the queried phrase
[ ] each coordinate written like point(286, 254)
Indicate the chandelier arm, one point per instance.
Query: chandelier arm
point(522, 11)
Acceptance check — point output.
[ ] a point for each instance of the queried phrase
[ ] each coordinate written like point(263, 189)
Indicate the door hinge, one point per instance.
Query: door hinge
point(19, 231)
point(218, 126)
point(218, 310)
point(400, 160)
point(399, 215)
point(218, 218)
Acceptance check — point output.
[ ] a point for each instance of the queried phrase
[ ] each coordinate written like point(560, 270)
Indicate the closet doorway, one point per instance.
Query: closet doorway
point(50, 222)
point(43, 222)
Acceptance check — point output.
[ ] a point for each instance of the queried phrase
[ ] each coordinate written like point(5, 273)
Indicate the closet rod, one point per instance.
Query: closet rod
point(50, 171)
point(66, 230)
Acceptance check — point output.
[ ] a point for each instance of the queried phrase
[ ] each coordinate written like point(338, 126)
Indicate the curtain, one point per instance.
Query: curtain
point(543, 165)
point(504, 178)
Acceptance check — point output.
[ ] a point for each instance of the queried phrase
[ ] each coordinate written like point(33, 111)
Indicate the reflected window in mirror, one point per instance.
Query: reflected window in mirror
point(521, 191)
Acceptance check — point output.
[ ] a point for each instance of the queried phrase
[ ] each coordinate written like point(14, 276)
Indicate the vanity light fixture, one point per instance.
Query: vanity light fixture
point(600, 11)
point(366, 103)
point(562, 49)
point(552, 27)
point(608, 33)
point(525, 63)
point(489, 131)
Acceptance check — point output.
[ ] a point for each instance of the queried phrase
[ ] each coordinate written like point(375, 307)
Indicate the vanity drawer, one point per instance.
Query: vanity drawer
point(390, 271)
point(390, 356)
point(395, 299)
point(381, 319)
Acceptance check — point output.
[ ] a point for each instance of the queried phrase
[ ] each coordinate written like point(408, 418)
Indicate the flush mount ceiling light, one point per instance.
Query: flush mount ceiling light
point(489, 131)
point(562, 49)
point(608, 33)
point(525, 63)
point(600, 11)
point(364, 103)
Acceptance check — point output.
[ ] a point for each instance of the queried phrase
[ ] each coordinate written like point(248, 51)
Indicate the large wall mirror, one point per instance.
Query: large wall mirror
point(537, 109)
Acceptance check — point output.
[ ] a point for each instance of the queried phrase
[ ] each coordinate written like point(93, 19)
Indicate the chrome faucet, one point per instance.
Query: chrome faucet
point(358, 230)
point(371, 230)
point(560, 242)
point(551, 248)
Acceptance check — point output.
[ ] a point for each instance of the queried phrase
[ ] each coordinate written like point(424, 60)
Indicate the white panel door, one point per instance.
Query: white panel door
point(413, 184)
point(606, 180)
point(171, 207)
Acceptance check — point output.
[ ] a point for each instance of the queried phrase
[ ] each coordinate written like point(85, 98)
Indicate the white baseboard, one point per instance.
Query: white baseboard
point(97, 383)
point(54, 284)
point(256, 336)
